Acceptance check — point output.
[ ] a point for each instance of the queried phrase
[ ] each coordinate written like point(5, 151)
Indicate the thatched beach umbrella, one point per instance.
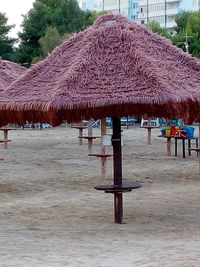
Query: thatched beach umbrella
point(115, 68)
point(9, 72)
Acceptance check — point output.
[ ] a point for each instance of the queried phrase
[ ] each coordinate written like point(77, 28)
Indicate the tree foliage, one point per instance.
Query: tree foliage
point(6, 43)
point(181, 20)
point(156, 28)
point(47, 43)
point(63, 15)
point(91, 16)
point(50, 22)
point(188, 33)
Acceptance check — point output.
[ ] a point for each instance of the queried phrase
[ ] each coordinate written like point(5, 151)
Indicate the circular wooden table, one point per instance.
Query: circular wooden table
point(80, 128)
point(6, 140)
point(169, 142)
point(103, 157)
point(90, 139)
point(149, 128)
point(119, 189)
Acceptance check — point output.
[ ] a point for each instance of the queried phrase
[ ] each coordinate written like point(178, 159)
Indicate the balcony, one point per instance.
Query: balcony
point(170, 1)
point(144, 2)
point(169, 25)
point(172, 12)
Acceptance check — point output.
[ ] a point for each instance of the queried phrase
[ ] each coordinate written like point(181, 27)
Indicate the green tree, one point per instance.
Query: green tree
point(47, 43)
point(64, 15)
point(51, 39)
point(68, 17)
point(193, 30)
point(34, 26)
point(188, 35)
point(181, 20)
point(91, 16)
point(156, 28)
point(6, 43)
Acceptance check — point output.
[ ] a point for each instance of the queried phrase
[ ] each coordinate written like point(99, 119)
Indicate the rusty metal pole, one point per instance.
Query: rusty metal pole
point(117, 164)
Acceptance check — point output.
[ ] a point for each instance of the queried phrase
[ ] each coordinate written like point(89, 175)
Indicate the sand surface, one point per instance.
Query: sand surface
point(50, 215)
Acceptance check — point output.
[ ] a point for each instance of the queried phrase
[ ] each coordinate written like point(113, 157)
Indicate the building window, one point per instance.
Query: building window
point(84, 5)
point(158, 7)
point(142, 21)
point(143, 9)
point(159, 19)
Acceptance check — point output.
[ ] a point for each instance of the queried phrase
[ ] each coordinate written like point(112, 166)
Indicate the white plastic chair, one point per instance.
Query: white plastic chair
point(154, 122)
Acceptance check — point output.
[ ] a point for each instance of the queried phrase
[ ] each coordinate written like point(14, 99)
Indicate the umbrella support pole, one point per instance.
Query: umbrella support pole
point(118, 207)
point(117, 188)
point(117, 164)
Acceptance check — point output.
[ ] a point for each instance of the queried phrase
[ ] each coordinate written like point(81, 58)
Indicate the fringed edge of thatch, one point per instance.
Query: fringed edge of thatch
point(56, 117)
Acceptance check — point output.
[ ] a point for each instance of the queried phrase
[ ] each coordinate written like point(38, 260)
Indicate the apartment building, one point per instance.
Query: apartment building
point(144, 11)
point(196, 5)
point(133, 10)
point(161, 11)
point(112, 6)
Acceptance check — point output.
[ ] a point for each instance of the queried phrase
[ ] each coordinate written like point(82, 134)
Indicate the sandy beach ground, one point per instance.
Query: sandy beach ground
point(50, 215)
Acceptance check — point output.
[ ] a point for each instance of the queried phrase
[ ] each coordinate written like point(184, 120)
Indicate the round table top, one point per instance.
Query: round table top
point(89, 137)
point(79, 127)
point(101, 155)
point(166, 136)
point(149, 127)
point(117, 188)
point(195, 149)
point(5, 140)
point(7, 129)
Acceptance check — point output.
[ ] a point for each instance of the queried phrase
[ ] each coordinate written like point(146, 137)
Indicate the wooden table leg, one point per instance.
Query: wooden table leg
point(183, 145)
point(149, 136)
point(5, 138)
point(189, 146)
point(176, 147)
point(89, 146)
point(199, 161)
point(169, 146)
point(103, 166)
point(80, 134)
point(197, 145)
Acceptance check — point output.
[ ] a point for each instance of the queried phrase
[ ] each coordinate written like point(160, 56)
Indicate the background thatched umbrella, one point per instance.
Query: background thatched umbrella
point(9, 72)
point(115, 68)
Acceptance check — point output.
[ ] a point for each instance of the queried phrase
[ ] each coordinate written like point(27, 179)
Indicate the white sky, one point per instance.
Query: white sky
point(14, 10)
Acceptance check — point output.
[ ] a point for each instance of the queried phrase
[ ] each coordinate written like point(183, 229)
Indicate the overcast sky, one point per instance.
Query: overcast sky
point(14, 9)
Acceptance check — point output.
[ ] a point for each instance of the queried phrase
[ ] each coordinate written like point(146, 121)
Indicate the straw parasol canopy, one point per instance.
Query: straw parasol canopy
point(114, 68)
point(9, 72)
